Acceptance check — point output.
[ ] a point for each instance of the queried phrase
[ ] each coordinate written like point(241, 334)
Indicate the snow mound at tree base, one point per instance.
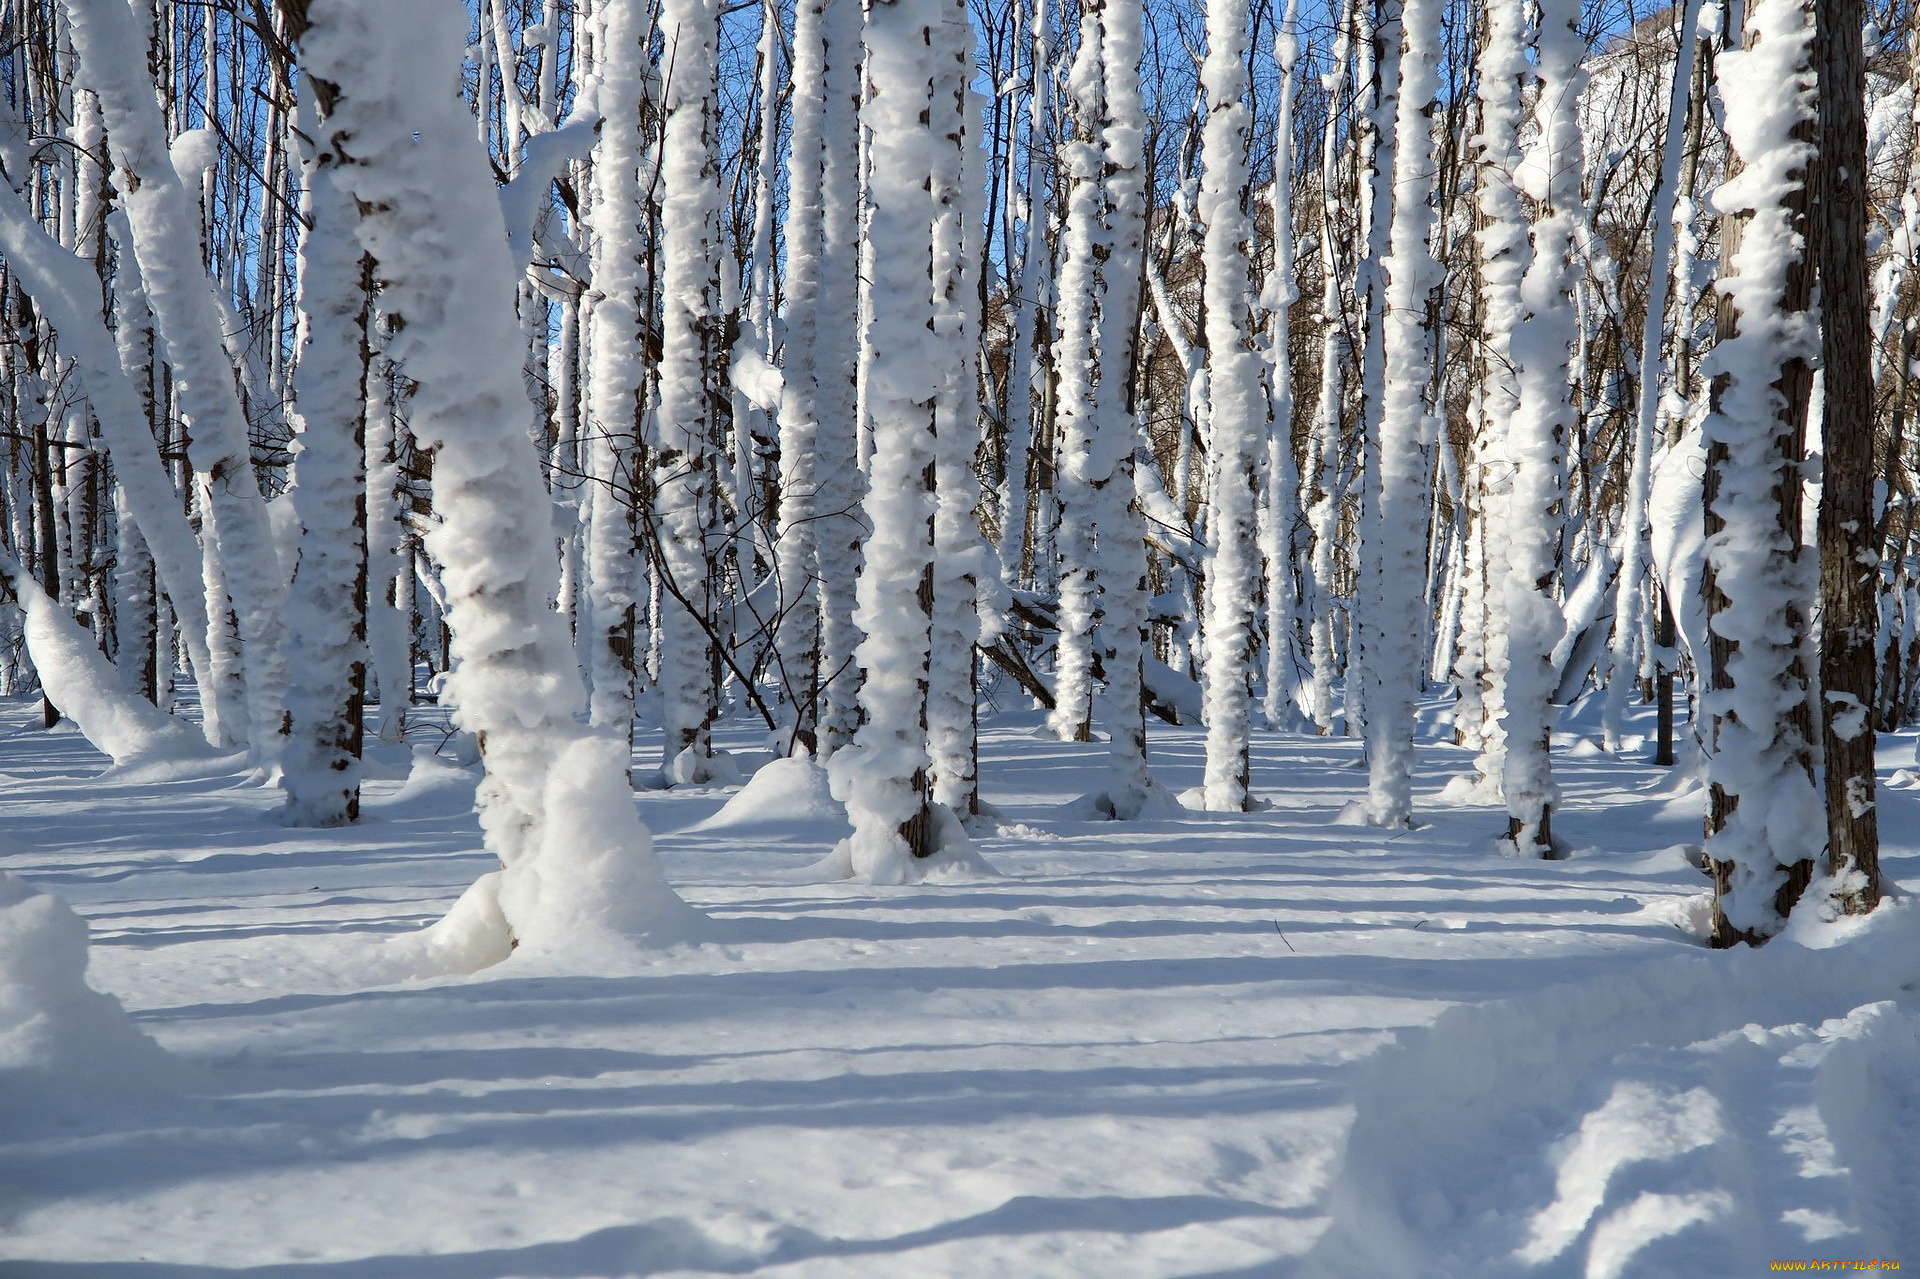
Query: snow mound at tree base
point(1697, 1115)
point(784, 793)
point(954, 859)
point(64, 1046)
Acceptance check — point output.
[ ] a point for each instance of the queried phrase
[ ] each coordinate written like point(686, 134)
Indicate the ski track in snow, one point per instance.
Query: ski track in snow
point(1140, 1052)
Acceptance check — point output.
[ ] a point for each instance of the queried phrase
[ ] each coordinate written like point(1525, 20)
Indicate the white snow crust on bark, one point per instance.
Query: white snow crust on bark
point(684, 464)
point(60, 283)
point(880, 776)
point(1630, 601)
point(798, 637)
point(1542, 348)
point(1395, 615)
point(166, 223)
point(1035, 285)
point(1077, 357)
point(554, 803)
point(1112, 464)
point(1281, 703)
point(76, 677)
point(1502, 251)
point(1238, 414)
point(617, 370)
point(1101, 537)
point(1756, 753)
point(1323, 509)
point(839, 525)
point(963, 565)
point(326, 649)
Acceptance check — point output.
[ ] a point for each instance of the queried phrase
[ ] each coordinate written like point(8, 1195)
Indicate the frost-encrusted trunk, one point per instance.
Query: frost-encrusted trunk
point(166, 222)
point(1393, 616)
point(1101, 537)
point(963, 566)
point(1542, 349)
point(1280, 513)
point(1765, 825)
point(554, 804)
point(882, 775)
point(622, 292)
point(1323, 502)
point(1629, 609)
point(796, 559)
point(1076, 355)
point(1237, 408)
point(689, 392)
point(63, 282)
point(839, 483)
point(1501, 254)
point(327, 603)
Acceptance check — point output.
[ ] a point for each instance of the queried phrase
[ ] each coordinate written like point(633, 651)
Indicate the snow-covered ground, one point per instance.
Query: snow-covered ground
point(1181, 1046)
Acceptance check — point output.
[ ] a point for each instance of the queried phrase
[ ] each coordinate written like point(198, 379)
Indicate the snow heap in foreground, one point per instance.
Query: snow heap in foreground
point(63, 1044)
point(1694, 1115)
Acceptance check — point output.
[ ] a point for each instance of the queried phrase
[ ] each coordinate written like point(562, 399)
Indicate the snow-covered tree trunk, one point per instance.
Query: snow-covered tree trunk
point(1280, 513)
point(554, 804)
point(327, 602)
point(1542, 348)
point(1026, 372)
point(64, 283)
point(1120, 528)
point(1083, 243)
point(960, 557)
point(1323, 504)
point(1765, 824)
point(165, 221)
point(1501, 255)
point(1394, 615)
point(799, 634)
point(622, 292)
point(1237, 409)
point(882, 775)
point(839, 483)
point(689, 346)
point(1629, 610)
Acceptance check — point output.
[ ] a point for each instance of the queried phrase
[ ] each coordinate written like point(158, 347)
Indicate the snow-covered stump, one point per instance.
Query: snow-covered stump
point(1765, 825)
point(327, 603)
point(577, 864)
point(119, 723)
point(1238, 410)
point(1542, 347)
point(1394, 616)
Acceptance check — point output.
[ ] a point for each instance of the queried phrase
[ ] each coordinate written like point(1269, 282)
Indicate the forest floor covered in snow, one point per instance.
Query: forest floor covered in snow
point(1180, 1047)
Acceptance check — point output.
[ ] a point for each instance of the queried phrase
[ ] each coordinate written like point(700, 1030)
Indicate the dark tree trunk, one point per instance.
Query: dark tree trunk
point(1849, 545)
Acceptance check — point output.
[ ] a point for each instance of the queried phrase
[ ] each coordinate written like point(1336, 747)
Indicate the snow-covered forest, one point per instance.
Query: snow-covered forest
point(1023, 637)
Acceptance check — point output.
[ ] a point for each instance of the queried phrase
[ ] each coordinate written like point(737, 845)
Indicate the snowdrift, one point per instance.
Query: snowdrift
point(63, 1045)
point(1700, 1115)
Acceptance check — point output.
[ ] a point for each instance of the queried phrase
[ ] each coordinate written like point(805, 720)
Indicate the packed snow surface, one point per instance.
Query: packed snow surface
point(1199, 1044)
